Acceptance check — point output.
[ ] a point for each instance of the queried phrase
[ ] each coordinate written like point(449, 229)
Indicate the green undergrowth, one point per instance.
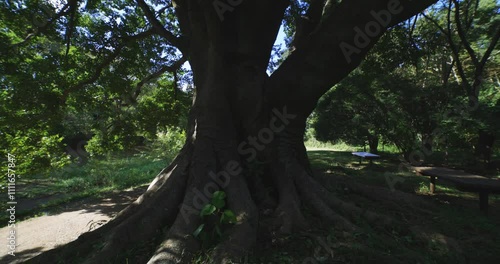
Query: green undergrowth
point(98, 177)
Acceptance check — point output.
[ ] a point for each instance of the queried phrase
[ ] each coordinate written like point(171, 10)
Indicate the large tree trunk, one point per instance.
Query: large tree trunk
point(245, 136)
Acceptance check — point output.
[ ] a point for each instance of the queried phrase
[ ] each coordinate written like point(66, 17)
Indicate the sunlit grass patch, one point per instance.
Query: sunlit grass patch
point(98, 176)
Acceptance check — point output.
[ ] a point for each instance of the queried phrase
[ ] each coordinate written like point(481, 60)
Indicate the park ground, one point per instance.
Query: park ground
point(445, 227)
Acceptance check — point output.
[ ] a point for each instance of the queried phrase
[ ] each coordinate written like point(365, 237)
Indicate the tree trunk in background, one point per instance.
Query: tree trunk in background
point(373, 143)
point(484, 147)
point(427, 144)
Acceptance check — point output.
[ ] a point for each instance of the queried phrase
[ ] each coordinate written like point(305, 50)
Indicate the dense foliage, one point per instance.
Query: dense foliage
point(63, 85)
point(416, 88)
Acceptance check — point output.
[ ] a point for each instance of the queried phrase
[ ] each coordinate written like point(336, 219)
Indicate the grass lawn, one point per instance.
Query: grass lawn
point(452, 231)
point(38, 194)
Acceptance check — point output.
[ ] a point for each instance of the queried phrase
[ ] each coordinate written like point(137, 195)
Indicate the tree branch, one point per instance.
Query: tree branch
point(73, 7)
point(480, 68)
point(315, 10)
point(435, 23)
point(160, 29)
point(412, 29)
point(470, 18)
point(490, 49)
point(462, 35)
point(455, 50)
point(306, 24)
point(40, 29)
point(170, 68)
point(472, 89)
point(182, 13)
point(334, 49)
point(99, 68)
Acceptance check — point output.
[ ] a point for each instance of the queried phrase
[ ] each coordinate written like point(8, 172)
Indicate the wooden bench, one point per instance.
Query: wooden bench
point(366, 156)
point(463, 181)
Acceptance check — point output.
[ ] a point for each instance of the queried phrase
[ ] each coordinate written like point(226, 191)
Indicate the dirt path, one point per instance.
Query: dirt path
point(43, 233)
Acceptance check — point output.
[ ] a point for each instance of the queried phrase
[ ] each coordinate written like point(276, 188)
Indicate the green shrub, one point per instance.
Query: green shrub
point(100, 144)
point(36, 150)
point(168, 143)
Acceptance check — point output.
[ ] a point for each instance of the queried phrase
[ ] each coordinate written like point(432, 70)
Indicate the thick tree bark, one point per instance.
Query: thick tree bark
point(245, 134)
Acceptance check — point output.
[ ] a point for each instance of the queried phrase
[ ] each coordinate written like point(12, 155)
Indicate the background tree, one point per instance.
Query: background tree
point(472, 30)
point(383, 98)
point(431, 62)
point(56, 96)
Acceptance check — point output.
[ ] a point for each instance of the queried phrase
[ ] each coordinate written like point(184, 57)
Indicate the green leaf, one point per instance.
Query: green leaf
point(198, 230)
point(219, 195)
point(219, 204)
point(217, 230)
point(208, 209)
point(228, 217)
point(218, 199)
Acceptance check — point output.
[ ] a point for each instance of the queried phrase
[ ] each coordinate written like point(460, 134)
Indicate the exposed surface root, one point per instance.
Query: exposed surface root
point(179, 245)
point(288, 213)
point(144, 224)
point(326, 204)
point(237, 243)
point(392, 198)
point(352, 210)
point(240, 238)
point(312, 198)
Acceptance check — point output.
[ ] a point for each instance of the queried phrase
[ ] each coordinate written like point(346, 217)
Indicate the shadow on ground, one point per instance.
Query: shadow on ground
point(64, 224)
point(21, 256)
